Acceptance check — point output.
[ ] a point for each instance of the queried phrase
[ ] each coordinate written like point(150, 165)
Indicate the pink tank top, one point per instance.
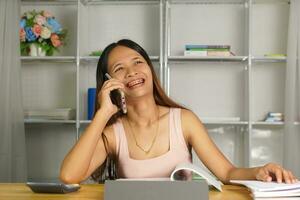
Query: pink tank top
point(157, 167)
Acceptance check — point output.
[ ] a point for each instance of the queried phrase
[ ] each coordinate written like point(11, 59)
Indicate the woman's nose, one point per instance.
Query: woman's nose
point(131, 73)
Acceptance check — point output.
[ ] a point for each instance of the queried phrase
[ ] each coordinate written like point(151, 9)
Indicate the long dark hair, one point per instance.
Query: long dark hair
point(108, 170)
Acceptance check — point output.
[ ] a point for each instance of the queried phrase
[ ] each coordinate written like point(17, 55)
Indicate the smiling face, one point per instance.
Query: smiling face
point(128, 66)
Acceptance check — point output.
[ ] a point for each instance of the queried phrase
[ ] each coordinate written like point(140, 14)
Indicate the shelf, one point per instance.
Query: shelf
point(48, 121)
point(85, 121)
point(271, 1)
point(118, 2)
point(49, 2)
point(269, 123)
point(208, 58)
point(207, 1)
point(60, 59)
point(96, 58)
point(273, 123)
point(225, 122)
point(268, 59)
point(204, 122)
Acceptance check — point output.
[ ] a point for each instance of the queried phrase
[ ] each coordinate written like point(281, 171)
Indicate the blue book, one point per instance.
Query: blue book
point(196, 46)
point(91, 102)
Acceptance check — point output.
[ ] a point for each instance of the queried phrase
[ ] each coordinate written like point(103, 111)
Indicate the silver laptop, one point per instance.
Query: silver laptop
point(155, 190)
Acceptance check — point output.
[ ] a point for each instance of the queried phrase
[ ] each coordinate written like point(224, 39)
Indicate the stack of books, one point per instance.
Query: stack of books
point(274, 117)
point(207, 50)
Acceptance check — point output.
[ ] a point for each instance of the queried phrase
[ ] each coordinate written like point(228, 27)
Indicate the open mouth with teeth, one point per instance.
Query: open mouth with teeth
point(135, 83)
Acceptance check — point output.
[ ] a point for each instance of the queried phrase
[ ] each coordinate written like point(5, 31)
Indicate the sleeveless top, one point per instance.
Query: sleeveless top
point(157, 167)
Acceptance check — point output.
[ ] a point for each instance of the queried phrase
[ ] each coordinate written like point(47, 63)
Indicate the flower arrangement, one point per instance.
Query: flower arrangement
point(40, 28)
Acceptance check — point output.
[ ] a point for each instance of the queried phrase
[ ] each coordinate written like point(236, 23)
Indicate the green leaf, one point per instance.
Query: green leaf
point(24, 48)
point(30, 22)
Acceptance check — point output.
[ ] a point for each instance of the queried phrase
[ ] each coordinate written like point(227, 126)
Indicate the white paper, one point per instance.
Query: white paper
point(199, 171)
point(270, 189)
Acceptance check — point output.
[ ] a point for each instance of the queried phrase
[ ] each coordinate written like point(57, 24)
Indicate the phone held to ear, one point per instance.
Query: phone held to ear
point(122, 102)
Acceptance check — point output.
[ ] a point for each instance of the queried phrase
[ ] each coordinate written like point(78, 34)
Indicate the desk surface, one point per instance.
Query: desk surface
point(18, 191)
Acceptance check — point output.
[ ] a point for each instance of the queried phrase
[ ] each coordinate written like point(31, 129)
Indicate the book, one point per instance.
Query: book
point(206, 53)
point(274, 114)
point(274, 117)
point(195, 53)
point(205, 49)
point(260, 189)
point(275, 55)
point(176, 175)
point(218, 53)
point(196, 46)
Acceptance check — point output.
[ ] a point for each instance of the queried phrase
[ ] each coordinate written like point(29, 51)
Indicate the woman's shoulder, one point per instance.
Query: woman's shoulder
point(186, 114)
point(189, 120)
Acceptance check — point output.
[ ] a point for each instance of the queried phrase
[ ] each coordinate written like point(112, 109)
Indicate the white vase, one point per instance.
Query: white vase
point(36, 50)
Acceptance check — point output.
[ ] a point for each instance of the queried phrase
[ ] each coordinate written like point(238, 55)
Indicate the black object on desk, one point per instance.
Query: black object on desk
point(58, 188)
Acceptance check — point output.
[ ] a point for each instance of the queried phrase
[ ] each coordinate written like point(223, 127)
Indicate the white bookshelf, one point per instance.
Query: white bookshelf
point(242, 86)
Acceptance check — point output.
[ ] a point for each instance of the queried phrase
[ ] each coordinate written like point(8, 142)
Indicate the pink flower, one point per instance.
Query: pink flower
point(47, 14)
point(40, 20)
point(22, 34)
point(55, 40)
point(37, 30)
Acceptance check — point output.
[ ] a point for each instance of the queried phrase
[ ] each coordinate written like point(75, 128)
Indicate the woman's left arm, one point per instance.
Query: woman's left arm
point(197, 136)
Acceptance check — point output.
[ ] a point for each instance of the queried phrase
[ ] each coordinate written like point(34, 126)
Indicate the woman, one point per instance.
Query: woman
point(153, 137)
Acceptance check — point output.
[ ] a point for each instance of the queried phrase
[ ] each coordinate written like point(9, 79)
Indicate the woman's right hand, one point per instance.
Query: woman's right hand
point(103, 96)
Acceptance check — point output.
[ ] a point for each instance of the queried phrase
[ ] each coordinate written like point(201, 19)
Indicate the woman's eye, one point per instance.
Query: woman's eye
point(138, 62)
point(118, 69)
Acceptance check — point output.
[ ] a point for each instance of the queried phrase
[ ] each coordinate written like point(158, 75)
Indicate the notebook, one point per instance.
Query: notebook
point(260, 189)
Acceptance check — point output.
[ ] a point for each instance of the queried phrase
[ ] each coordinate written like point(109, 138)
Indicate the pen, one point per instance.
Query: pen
point(123, 102)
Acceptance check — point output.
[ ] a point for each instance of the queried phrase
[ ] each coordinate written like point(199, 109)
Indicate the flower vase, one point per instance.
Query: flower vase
point(36, 50)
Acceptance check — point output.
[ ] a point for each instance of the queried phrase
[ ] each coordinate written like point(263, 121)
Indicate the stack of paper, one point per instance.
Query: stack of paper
point(261, 189)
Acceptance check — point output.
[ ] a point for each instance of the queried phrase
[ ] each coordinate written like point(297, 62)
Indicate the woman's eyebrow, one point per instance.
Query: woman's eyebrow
point(137, 57)
point(115, 65)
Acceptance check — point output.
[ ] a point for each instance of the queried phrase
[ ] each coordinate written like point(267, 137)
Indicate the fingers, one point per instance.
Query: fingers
point(278, 174)
point(292, 178)
point(113, 86)
point(110, 85)
point(112, 82)
point(268, 177)
point(281, 174)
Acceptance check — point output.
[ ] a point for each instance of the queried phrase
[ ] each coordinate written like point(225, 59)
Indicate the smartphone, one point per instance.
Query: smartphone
point(118, 94)
point(52, 187)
